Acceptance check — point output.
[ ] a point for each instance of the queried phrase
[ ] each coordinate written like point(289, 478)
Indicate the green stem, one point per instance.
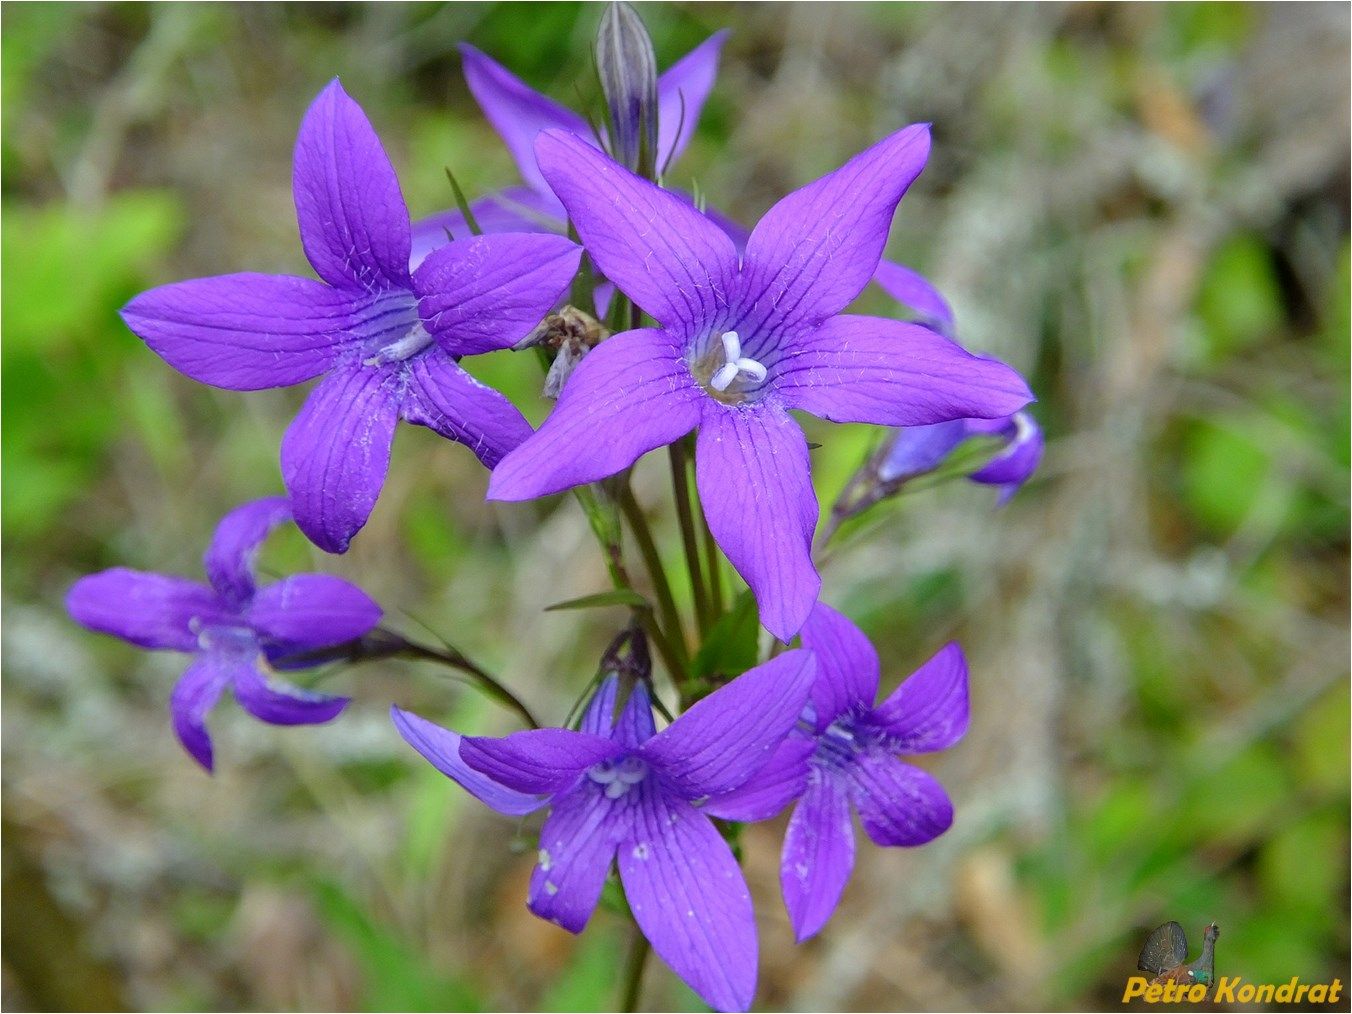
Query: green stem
point(633, 971)
point(666, 605)
point(680, 484)
point(712, 568)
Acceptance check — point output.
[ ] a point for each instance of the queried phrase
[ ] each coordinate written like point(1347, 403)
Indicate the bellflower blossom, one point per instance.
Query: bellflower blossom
point(918, 450)
point(385, 340)
point(617, 790)
point(739, 342)
point(232, 628)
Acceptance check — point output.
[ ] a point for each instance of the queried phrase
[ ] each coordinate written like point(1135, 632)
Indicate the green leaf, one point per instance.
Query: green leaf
point(731, 647)
point(614, 597)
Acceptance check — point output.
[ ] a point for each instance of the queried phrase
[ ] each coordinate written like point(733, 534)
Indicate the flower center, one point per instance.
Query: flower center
point(391, 330)
point(618, 777)
point(839, 744)
point(403, 348)
point(217, 637)
point(725, 372)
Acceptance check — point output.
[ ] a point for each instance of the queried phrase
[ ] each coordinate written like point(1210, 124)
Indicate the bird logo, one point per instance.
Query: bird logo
point(1166, 951)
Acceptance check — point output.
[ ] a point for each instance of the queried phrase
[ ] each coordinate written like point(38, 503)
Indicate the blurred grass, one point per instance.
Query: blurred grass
point(1143, 207)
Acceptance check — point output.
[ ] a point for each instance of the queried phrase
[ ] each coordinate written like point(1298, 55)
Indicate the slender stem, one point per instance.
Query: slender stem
point(456, 660)
point(633, 971)
point(713, 570)
point(680, 484)
point(666, 605)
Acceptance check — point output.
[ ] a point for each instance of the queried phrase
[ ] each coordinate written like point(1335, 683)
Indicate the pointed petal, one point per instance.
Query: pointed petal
point(280, 703)
point(728, 736)
point(691, 901)
point(517, 111)
point(898, 804)
point(447, 400)
point(630, 394)
point(489, 292)
point(149, 610)
point(681, 92)
point(537, 760)
point(599, 718)
point(577, 843)
point(770, 789)
point(353, 220)
point(1017, 463)
point(816, 249)
point(671, 260)
point(635, 726)
point(515, 209)
point(247, 331)
point(194, 695)
point(818, 855)
point(929, 710)
point(336, 452)
point(441, 747)
point(847, 664)
point(313, 611)
point(867, 369)
point(913, 290)
point(229, 560)
point(755, 482)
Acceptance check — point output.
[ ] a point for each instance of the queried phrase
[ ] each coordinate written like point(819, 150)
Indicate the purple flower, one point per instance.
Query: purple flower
point(912, 289)
point(618, 790)
point(740, 341)
point(918, 450)
point(385, 340)
point(232, 628)
point(844, 753)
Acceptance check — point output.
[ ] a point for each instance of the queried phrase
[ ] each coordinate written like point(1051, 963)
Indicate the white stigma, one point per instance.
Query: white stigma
point(735, 364)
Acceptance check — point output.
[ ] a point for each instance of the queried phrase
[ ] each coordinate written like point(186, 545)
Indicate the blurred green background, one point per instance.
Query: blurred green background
point(1144, 207)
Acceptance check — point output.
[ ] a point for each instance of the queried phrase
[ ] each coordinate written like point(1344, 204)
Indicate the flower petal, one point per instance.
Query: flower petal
point(635, 726)
point(577, 843)
point(770, 789)
point(690, 900)
point(868, 369)
point(149, 610)
point(918, 450)
point(847, 664)
point(929, 710)
point(1016, 464)
point(681, 91)
point(309, 611)
point(755, 482)
point(447, 400)
point(599, 718)
point(898, 804)
point(441, 747)
point(229, 560)
point(724, 739)
point(279, 703)
point(353, 219)
point(515, 209)
point(816, 249)
point(913, 290)
point(818, 855)
point(337, 450)
point(194, 695)
point(517, 111)
point(537, 760)
point(671, 260)
point(489, 292)
point(247, 331)
point(630, 394)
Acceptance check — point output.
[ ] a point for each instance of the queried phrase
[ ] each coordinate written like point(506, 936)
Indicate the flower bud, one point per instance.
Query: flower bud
point(627, 68)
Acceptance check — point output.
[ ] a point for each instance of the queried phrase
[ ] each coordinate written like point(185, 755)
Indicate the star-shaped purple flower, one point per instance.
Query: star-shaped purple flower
point(845, 752)
point(918, 450)
point(617, 790)
point(740, 341)
point(233, 628)
point(385, 340)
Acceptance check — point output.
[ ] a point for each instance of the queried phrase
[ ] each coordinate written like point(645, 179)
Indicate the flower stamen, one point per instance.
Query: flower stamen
point(735, 364)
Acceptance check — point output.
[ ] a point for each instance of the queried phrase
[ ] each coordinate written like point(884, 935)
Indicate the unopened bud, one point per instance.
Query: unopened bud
point(627, 68)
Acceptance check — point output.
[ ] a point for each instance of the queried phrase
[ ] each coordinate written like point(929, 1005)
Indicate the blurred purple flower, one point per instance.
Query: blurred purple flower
point(740, 341)
point(232, 628)
point(919, 450)
point(844, 752)
point(619, 791)
point(386, 340)
point(913, 290)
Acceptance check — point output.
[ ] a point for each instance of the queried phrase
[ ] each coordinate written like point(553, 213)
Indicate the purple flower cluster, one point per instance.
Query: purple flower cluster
point(745, 328)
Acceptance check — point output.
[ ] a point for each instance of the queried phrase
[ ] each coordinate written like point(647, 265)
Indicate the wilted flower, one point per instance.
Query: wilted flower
point(233, 628)
point(740, 341)
point(618, 791)
point(386, 340)
point(844, 752)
